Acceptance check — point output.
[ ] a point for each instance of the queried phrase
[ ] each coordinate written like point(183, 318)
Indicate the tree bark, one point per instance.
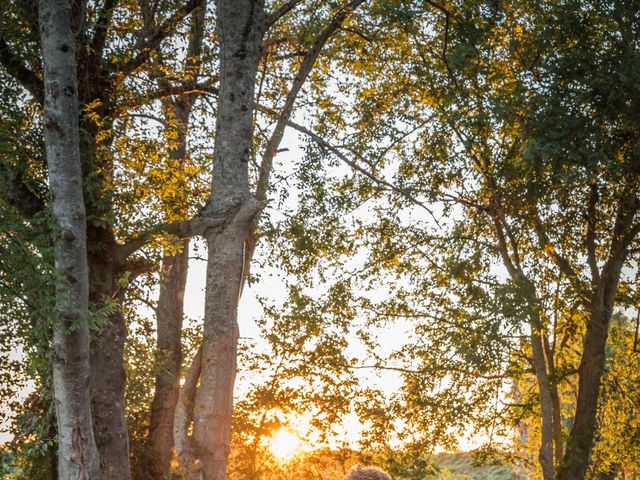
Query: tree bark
point(558, 441)
point(169, 357)
point(539, 356)
point(577, 458)
point(545, 453)
point(240, 25)
point(174, 270)
point(108, 376)
point(77, 453)
point(590, 373)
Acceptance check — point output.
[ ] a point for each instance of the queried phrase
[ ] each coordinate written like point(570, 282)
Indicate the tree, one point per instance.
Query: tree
point(501, 123)
point(241, 29)
point(77, 452)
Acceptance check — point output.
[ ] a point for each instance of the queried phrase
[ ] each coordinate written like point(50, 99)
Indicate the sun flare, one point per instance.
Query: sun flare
point(285, 444)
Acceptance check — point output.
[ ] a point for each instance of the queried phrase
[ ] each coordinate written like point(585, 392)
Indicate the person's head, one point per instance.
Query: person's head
point(367, 473)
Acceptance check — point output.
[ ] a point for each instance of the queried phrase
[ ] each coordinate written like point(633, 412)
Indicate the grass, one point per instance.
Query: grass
point(459, 466)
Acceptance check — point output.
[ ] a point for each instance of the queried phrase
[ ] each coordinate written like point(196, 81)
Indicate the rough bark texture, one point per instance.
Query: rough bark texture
point(77, 453)
point(241, 28)
point(214, 398)
point(108, 376)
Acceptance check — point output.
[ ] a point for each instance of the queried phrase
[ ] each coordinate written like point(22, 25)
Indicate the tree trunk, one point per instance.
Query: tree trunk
point(590, 372)
point(170, 311)
point(545, 453)
point(555, 401)
point(169, 357)
point(108, 376)
point(77, 453)
point(241, 28)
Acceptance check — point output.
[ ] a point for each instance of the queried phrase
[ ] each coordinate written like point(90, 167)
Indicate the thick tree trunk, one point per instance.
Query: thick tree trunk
point(169, 357)
point(241, 28)
point(108, 377)
point(590, 372)
point(77, 453)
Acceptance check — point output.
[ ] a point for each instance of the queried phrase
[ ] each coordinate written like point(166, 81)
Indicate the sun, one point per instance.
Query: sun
point(285, 444)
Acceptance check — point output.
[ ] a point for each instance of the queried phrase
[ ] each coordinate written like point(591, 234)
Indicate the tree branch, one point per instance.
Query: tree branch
point(197, 226)
point(169, 90)
point(592, 259)
point(563, 263)
point(16, 68)
point(624, 231)
point(280, 12)
point(102, 27)
point(301, 76)
point(514, 272)
point(155, 39)
point(333, 149)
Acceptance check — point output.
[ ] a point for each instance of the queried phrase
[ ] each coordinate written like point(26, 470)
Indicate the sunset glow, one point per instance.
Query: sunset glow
point(285, 444)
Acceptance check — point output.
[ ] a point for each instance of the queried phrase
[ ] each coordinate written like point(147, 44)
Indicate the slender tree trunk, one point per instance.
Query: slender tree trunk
point(169, 355)
point(108, 376)
point(545, 453)
point(558, 442)
point(77, 453)
point(174, 270)
point(540, 363)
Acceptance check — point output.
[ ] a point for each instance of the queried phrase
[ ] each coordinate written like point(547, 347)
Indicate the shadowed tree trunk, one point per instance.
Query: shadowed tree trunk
point(108, 376)
point(603, 291)
point(77, 453)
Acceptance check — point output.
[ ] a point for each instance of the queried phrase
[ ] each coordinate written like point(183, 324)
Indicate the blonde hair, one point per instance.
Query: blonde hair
point(367, 473)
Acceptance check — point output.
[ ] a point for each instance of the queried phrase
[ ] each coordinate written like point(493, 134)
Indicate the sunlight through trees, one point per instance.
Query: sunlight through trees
point(280, 239)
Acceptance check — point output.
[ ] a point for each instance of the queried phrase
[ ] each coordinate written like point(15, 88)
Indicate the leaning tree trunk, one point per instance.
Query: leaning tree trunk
point(240, 25)
point(590, 372)
point(77, 453)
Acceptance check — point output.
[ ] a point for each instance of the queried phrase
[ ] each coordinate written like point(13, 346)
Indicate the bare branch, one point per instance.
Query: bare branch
point(280, 12)
point(300, 78)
